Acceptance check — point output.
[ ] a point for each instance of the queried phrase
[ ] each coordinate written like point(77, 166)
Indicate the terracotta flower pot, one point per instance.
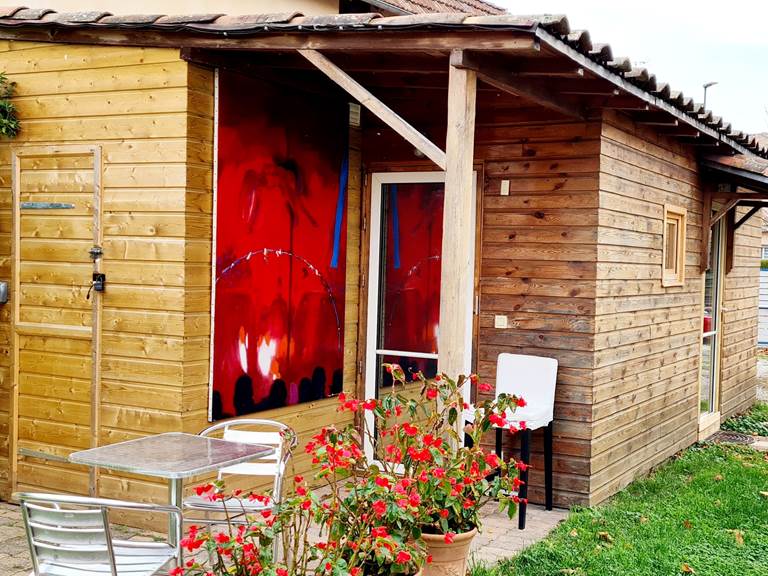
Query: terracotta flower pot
point(448, 559)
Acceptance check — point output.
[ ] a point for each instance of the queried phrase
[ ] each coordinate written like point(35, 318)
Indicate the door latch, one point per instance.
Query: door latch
point(97, 284)
point(95, 253)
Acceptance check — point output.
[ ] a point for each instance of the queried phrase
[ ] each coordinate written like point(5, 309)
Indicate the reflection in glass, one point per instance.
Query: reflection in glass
point(409, 282)
point(710, 326)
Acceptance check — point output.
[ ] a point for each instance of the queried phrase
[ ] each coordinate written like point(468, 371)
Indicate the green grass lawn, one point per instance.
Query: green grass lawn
point(703, 513)
point(753, 422)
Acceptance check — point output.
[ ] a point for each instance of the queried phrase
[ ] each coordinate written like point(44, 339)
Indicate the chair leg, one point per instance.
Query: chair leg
point(549, 497)
point(525, 456)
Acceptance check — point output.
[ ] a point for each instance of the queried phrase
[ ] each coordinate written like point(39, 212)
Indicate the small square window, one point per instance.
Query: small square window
point(673, 257)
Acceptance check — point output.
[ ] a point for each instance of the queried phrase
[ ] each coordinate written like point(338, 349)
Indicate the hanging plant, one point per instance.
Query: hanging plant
point(9, 123)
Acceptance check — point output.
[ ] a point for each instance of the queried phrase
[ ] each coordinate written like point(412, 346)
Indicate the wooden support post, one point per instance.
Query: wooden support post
point(730, 238)
point(384, 112)
point(747, 216)
point(729, 206)
point(490, 72)
point(456, 274)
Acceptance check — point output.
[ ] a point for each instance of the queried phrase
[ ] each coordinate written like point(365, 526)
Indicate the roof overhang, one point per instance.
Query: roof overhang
point(605, 82)
point(744, 171)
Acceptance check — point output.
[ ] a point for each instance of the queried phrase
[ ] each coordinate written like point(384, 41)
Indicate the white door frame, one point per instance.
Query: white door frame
point(378, 180)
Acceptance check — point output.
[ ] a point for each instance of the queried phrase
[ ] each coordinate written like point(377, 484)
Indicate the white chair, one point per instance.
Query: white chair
point(270, 433)
point(70, 536)
point(532, 378)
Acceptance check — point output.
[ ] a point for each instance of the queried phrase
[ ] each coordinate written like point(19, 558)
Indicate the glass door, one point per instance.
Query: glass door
point(404, 278)
point(710, 330)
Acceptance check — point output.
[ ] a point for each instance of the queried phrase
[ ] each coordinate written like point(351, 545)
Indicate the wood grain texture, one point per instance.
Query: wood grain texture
point(134, 103)
point(647, 343)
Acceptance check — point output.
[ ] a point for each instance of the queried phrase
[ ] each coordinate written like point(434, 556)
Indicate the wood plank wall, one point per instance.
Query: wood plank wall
point(152, 113)
point(133, 102)
point(740, 320)
point(647, 341)
point(537, 256)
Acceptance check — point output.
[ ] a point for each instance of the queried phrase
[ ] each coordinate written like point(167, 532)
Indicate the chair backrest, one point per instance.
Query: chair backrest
point(269, 432)
point(531, 377)
point(67, 534)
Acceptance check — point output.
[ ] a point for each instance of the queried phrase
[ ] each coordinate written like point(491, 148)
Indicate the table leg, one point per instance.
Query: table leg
point(175, 495)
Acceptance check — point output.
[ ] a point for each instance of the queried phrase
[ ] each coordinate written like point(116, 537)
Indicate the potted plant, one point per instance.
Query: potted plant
point(421, 450)
point(355, 528)
point(415, 506)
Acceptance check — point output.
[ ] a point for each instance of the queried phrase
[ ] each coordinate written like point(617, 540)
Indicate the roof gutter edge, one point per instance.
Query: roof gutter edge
point(601, 71)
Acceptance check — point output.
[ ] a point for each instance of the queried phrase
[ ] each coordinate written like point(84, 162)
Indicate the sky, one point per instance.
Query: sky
point(684, 43)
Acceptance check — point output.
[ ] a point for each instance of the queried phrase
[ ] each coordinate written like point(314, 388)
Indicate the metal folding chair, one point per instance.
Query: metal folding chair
point(70, 536)
point(248, 431)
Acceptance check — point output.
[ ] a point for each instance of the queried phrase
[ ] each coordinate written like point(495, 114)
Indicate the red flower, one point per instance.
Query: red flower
point(521, 403)
point(431, 393)
point(222, 538)
point(523, 425)
point(301, 491)
point(473, 378)
point(200, 490)
point(468, 504)
point(449, 536)
point(191, 543)
point(307, 504)
point(379, 508)
point(402, 557)
point(379, 532)
point(498, 420)
point(522, 466)
point(492, 460)
point(298, 479)
point(429, 558)
point(381, 481)
point(178, 571)
point(438, 473)
point(414, 499)
point(410, 429)
point(356, 571)
point(281, 572)
point(370, 404)
point(483, 387)
point(443, 513)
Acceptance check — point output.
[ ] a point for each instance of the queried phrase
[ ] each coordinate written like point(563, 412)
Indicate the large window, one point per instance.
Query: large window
point(280, 247)
point(673, 257)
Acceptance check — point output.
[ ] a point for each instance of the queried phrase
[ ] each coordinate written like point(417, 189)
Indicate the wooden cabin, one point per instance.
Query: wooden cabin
point(290, 199)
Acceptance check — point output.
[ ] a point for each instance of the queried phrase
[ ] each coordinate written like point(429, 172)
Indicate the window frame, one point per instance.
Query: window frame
point(673, 277)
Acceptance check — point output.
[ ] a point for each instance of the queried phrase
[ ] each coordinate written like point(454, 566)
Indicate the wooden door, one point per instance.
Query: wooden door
point(56, 319)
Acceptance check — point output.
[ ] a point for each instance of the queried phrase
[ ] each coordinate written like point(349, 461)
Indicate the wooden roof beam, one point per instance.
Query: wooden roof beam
point(377, 107)
point(545, 67)
point(747, 216)
point(490, 72)
point(404, 42)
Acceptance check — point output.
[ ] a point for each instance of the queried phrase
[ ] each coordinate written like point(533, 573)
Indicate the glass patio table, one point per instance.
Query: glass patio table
point(173, 456)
